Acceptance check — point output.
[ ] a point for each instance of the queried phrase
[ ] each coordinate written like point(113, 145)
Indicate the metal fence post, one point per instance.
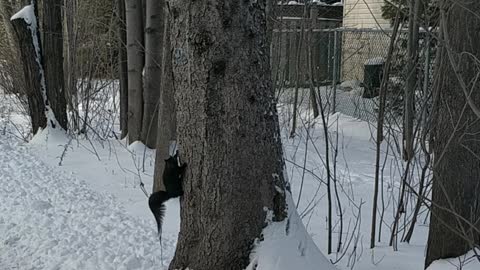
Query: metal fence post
point(335, 70)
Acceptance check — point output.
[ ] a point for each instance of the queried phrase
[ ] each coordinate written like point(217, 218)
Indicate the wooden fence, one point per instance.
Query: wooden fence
point(301, 46)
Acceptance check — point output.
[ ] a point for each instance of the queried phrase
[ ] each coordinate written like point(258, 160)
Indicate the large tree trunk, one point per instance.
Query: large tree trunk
point(27, 36)
point(135, 57)
point(455, 199)
point(227, 130)
point(53, 59)
point(153, 70)
point(166, 109)
point(122, 66)
point(6, 11)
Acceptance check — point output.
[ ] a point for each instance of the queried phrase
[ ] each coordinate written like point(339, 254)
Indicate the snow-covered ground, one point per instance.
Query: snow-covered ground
point(60, 217)
point(356, 160)
point(68, 203)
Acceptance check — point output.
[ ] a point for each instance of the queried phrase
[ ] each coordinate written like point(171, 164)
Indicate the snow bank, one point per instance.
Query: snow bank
point(287, 246)
point(351, 84)
point(49, 136)
point(465, 262)
point(137, 147)
point(27, 13)
point(375, 61)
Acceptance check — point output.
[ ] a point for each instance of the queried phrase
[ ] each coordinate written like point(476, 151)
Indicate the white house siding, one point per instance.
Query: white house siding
point(357, 47)
point(364, 14)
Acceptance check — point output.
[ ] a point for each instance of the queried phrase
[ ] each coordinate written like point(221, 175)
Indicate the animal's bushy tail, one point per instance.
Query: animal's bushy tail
point(156, 202)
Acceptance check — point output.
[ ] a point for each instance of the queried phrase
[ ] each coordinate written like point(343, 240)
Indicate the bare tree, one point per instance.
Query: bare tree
point(12, 78)
point(227, 130)
point(28, 38)
point(380, 126)
point(53, 59)
point(135, 64)
point(455, 212)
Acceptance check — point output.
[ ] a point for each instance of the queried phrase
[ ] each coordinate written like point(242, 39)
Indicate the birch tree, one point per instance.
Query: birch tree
point(153, 71)
point(135, 64)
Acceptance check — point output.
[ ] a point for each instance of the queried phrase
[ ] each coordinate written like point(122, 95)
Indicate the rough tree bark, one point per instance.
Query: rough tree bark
point(53, 59)
point(227, 130)
point(166, 109)
point(153, 69)
point(6, 11)
point(122, 66)
point(27, 35)
point(456, 185)
point(135, 63)
point(13, 63)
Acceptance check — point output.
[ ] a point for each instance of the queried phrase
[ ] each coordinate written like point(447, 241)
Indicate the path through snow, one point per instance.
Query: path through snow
point(49, 219)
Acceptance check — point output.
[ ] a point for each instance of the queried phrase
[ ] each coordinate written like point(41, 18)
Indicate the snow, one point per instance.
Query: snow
point(293, 3)
point(468, 261)
point(375, 61)
point(114, 168)
point(287, 245)
point(350, 84)
point(353, 87)
point(26, 13)
point(137, 146)
point(52, 220)
point(76, 203)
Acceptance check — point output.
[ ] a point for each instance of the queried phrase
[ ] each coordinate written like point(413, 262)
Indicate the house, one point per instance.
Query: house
point(364, 36)
point(362, 14)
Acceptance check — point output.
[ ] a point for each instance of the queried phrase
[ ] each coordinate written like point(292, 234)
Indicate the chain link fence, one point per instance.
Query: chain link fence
point(346, 66)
